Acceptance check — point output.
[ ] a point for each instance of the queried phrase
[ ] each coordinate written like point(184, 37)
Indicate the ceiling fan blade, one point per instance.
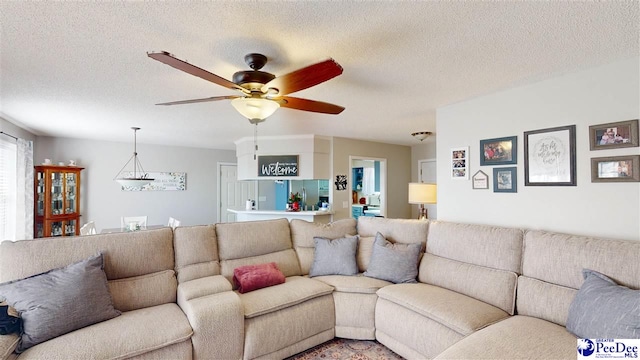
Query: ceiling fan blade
point(193, 101)
point(308, 105)
point(166, 58)
point(304, 78)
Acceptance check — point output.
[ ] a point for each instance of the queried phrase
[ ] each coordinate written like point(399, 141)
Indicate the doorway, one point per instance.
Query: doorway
point(427, 174)
point(368, 185)
point(233, 193)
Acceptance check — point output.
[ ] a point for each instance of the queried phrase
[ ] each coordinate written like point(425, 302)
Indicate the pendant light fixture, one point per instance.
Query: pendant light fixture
point(140, 178)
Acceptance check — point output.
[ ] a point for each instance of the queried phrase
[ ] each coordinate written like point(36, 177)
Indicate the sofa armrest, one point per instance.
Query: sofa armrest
point(8, 344)
point(202, 287)
point(217, 321)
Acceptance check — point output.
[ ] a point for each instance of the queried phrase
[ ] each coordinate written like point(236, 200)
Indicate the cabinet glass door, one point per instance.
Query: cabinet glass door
point(56, 228)
point(70, 228)
point(56, 193)
point(40, 193)
point(70, 187)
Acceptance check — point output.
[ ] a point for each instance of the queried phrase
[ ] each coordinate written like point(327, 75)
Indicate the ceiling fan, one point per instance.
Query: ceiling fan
point(262, 93)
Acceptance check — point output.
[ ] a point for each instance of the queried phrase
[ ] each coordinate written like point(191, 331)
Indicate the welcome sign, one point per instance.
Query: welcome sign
point(278, 165)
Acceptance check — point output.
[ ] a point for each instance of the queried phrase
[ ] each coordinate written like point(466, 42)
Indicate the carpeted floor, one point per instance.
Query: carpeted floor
point(347, 349)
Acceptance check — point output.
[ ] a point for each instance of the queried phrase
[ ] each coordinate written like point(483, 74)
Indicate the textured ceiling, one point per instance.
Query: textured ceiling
point(79, 69)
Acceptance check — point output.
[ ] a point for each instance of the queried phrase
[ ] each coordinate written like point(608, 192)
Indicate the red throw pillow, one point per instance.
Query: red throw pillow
point(253, 277)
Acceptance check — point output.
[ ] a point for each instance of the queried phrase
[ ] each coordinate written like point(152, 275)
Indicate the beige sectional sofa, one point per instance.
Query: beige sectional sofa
point(482, 291)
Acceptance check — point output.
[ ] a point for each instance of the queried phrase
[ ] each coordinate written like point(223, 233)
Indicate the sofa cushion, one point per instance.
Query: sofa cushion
point(604, 309)
point(294, 291)
point(559, 258)
point(196, 249)
point(334, 257)
point(544, 300)
point(60, 301)
point(133, 333)
point(397, 263)
point(458, 312)
point(256, 242)
point(253, 277)
point(143, 291)
point(125, 254)
point(403, 231)
point(518, 337)
point(493, 286)
point(303, 232)
point(358, 284)
point(489, 246)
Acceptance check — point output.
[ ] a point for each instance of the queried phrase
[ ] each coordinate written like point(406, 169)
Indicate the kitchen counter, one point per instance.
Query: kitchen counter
point(254, 215)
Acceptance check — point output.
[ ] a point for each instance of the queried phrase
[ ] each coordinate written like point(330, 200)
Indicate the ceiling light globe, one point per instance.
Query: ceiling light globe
point(255, 108)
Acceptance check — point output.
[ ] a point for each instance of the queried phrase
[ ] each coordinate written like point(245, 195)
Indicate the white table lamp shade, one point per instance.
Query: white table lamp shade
point(422, 193)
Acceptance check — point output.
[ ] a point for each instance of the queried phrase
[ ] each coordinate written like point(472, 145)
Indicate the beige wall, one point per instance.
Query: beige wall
point(398, 174)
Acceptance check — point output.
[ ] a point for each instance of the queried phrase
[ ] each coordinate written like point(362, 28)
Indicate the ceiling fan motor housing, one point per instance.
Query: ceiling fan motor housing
point(243, 78)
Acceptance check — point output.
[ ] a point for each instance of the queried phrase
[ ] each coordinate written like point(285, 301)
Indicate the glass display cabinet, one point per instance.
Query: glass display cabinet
point(57, 201)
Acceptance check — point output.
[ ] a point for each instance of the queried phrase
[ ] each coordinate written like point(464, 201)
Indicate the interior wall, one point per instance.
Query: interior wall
point(16, 131)
point(104, 202)
point(600, 95)
point(425, 150)
point(398, 174)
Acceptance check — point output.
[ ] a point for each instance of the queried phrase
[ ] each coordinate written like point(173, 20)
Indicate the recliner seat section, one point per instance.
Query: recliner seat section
point(551, 276)
point(481, 291)
point(284, 319)
point(140, 270)
point(467, 279)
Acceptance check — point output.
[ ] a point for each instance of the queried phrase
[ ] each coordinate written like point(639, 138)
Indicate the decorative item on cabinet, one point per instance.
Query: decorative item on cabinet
point(56, 201)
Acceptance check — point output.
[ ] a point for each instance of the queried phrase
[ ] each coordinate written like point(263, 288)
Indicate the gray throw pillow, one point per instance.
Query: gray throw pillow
point(60, 301)
point(397, 263)
point(604, 309)
point(334, 257)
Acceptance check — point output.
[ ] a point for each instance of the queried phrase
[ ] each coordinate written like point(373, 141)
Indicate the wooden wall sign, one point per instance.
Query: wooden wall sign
point(278, 165)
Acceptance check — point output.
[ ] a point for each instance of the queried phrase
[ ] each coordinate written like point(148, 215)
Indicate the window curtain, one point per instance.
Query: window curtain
point(7, 189)
point(24, 191)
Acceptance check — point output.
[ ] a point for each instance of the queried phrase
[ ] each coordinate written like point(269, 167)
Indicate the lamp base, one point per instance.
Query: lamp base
point(423, 213)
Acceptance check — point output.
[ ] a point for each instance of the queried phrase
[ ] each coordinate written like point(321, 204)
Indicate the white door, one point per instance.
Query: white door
point(234, 193)
point(428, 175)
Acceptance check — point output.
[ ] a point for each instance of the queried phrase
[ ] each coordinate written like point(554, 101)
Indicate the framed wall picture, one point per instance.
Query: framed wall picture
point(500, 151)
point(550, 157)
point(505, 179)
point(460, 163)
point(480, 180)
point(614, 135)
point(615, 169)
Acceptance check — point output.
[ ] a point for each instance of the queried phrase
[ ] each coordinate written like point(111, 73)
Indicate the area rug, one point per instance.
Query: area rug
point(347, 349)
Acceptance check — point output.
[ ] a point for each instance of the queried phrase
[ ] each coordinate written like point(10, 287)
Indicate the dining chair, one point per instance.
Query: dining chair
point(88, 228)
point(139, 221)
point(173, 223)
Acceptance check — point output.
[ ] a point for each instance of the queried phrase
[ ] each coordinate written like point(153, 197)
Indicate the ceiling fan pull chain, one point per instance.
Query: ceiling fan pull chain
point(255, 141)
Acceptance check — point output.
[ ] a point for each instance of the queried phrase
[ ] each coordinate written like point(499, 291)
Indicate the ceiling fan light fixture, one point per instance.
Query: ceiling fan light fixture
point(255, 108)
point(421, 135)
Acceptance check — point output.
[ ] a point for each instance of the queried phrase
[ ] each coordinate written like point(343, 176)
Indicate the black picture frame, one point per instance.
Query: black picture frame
point(550, 157)
point(499, 151)
point(505, 179)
